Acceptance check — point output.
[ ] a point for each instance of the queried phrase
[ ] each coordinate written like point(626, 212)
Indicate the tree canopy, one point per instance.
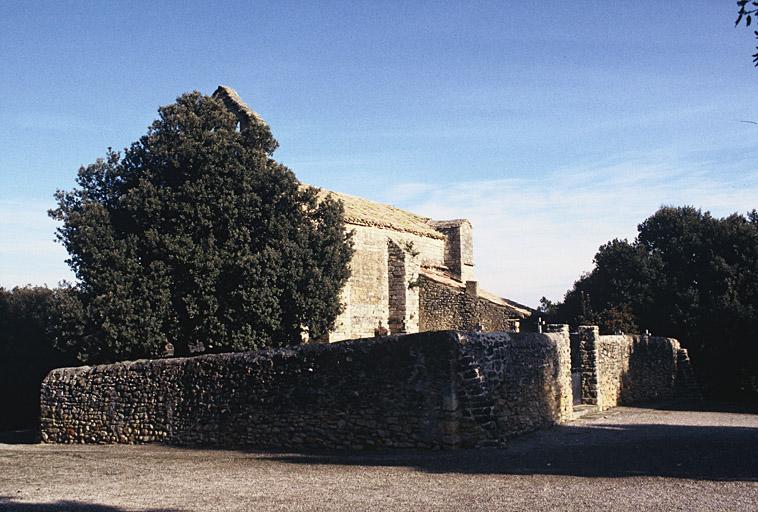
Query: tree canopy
point(195, 234)
point(687, 275)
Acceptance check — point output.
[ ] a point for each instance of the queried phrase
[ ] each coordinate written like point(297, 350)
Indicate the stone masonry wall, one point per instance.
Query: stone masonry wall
point(512, 383)
point(398, 287)
point(428, 390)
point(403, 268)
point(367, 292)
point(446, 307)
point(624, 369)
point(441, 307)
point(495, 318)
point(388, 392)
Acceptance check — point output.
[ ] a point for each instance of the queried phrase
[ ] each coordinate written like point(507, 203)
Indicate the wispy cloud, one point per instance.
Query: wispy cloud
point(535, 237)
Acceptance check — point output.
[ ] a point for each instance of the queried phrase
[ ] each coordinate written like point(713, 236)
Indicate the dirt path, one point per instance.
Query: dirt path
point(626, 459)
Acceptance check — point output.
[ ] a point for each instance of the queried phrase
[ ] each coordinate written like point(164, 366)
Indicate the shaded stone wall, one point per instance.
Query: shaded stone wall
point(446, 307)
point(440, 389)
point(360, 394)
point(493, 317)
point(441, 307)
point(624, 369)
point(512, 383)
point(367, 292)
point(588, 335)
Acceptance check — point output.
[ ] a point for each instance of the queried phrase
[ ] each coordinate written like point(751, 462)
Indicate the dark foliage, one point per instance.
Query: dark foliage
point(687, 275)
point(27, 353)
point(196, 235)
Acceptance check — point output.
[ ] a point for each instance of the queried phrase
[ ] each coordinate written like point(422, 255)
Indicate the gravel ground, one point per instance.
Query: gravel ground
point(662, 458)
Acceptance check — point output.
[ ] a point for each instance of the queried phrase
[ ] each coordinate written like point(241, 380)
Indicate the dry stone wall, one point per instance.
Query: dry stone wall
point(427, 390)
point(388, 392)
point(624, 369)
point(635, 369)
point(511, 383)
point(447, 307)
point(493, 317)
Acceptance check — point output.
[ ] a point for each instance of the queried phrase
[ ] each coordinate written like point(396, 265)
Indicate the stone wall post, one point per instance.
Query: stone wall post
point(563, 350)
point(588, 337)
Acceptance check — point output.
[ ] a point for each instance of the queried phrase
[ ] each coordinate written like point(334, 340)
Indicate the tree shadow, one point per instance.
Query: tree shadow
point(601, 451)
point(10, 504)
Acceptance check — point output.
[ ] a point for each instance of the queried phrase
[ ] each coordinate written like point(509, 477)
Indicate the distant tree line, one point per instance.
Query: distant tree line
point(689, 276)
point(27, 352)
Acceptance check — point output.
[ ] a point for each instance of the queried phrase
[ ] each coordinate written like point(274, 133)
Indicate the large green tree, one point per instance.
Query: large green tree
point(195, 234)
point(687, 275)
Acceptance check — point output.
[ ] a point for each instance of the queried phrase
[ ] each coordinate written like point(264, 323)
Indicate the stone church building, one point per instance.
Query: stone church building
point(409, 273)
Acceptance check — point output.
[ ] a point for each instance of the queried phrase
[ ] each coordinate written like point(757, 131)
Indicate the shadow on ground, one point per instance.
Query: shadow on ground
point(9, 504)
point(20, 437)
point(601, 451)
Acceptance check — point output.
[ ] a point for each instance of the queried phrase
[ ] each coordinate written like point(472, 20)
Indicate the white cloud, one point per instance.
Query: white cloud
point(535, 237)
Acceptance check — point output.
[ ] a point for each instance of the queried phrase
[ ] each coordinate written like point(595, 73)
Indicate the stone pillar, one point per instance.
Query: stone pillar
point(563, 350)
point(588, 337)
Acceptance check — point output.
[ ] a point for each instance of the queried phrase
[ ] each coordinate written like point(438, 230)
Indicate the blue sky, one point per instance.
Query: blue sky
point(552, 126)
